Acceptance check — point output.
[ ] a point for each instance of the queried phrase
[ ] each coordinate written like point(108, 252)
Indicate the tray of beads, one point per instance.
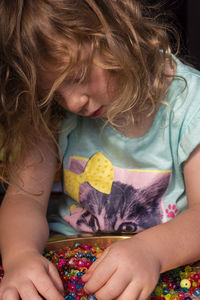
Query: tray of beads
point(73, 256)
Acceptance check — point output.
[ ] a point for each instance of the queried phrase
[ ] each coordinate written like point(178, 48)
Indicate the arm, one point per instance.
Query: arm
point(24, 229)
point(130, 268)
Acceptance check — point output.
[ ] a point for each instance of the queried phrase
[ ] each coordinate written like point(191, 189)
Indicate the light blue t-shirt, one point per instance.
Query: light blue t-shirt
point(114, 183)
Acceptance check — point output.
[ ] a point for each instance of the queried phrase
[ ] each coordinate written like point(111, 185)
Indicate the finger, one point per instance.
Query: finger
point(53, 273)
point(94, 266)
point(100, 276)
point(145, 294)
point(131, 292)
point(113, 287)
point(28, 291)
point(10, 294)
point(47, 289)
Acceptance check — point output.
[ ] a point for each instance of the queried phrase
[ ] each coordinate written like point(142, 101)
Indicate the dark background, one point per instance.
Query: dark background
point(187, 18)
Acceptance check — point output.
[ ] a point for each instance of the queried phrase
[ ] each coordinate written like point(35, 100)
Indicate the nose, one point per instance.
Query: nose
point(77, 103)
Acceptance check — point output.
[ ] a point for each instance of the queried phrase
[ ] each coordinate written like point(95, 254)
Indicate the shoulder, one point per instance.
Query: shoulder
point(183, 95)
point(188, 76)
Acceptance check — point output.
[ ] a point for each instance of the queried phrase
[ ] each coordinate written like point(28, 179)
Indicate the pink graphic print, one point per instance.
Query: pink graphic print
point(135, 202)
point(171, 211)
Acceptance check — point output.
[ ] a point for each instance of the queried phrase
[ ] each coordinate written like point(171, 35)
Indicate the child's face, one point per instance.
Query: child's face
point(88, 98)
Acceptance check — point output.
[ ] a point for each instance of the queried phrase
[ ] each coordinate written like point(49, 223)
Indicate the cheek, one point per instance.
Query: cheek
point(60, 100)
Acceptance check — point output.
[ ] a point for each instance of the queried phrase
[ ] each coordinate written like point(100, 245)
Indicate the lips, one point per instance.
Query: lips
point(97, 113)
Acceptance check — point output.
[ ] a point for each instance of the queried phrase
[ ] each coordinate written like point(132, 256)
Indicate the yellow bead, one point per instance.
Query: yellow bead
point(168, 296)
point(185, 283)
point(194, 284)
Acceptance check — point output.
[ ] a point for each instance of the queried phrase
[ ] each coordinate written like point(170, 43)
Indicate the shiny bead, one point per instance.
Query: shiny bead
point(164, 284)
point(175, 297)
point(194, 284)
point(196, 292)
point(93, 259)
point(80, 263)
point(182, 275)
point(175, 286)
point(184, 290)
point(158, 291)
point(79, 254)
point(181, 295)
point(167, 297)
point(173, 293)
point(91, 297)
point(196, 276)
point(165, 291)
point(185, 283)
point(86, 247)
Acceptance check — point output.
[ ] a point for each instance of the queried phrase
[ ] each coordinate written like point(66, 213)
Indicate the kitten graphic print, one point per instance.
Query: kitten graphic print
point(113, 199)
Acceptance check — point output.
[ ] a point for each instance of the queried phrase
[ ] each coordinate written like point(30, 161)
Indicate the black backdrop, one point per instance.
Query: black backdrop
point(187, 16)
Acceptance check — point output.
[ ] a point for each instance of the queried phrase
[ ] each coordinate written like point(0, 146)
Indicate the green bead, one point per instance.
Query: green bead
point(173, 293)
point(164, 284)
point(158, 291)
point(182, 274)
point(188, 269)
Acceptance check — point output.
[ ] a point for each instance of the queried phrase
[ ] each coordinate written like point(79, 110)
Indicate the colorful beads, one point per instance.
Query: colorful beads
point(72, 263)
point(179, 284)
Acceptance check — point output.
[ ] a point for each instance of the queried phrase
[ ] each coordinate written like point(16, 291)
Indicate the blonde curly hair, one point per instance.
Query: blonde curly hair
point(38, 35)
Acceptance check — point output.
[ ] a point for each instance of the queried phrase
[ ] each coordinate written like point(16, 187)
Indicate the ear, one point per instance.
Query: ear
point(156, 191)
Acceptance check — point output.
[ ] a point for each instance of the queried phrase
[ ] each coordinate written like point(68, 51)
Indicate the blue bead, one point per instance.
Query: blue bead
point(79, 254)
point(91, 297)
point(196, 292)
point(79, 274)
point(165, 291)
point(184, 290)
point(93, 258)
point(79, 286)
point(88, 255)
point(74, 281)
point(69, 297)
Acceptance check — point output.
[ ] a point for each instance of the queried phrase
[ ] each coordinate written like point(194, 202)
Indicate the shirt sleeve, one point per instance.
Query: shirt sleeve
point(190, 138)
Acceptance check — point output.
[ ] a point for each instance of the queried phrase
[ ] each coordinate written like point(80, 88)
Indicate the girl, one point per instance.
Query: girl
point(99, 73)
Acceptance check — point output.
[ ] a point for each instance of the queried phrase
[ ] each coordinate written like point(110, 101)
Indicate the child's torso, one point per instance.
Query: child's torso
point(118, 184)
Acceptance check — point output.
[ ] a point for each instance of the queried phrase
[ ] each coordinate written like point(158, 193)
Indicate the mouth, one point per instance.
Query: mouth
point(97, 113)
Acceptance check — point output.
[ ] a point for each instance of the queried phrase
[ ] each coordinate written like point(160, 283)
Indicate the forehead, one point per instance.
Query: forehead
point(63, 66)
point(61, 70)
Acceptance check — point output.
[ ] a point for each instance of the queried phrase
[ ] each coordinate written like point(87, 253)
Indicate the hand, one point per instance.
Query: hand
point(127, 270)
point(30, 276)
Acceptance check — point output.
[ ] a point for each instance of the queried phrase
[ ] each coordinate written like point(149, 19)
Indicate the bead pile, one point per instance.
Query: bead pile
point(182, 283)
point(72, 263)
point(179, 284)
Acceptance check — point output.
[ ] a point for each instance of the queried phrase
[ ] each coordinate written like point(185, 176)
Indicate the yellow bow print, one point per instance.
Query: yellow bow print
point(98, 173)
